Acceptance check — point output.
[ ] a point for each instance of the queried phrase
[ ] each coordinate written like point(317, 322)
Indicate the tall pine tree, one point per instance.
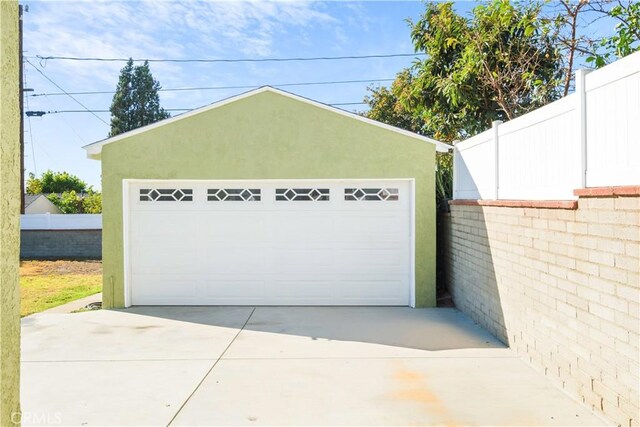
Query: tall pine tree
point(136, 102)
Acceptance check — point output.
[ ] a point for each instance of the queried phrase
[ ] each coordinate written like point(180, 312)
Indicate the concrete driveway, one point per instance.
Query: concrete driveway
point(279, 366)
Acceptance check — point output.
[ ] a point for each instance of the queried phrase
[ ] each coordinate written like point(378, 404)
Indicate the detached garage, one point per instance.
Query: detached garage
point(268, 198)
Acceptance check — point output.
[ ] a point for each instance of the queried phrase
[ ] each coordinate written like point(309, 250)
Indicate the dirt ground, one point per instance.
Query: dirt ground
point(50, 268)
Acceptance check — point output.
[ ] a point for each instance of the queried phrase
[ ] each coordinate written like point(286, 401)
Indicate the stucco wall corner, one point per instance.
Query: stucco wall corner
point(9, 215)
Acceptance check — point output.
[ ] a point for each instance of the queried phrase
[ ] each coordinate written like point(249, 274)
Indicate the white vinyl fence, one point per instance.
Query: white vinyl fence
point(61, 222)
point(590, 138)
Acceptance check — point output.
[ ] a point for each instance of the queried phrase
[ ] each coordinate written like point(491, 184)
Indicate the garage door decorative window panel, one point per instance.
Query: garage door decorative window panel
point(233, 195)
point(166, 195)
point(302, 194)
point(371, 194)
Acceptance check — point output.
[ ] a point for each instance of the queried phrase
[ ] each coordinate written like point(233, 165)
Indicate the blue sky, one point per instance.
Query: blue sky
point(173, 29)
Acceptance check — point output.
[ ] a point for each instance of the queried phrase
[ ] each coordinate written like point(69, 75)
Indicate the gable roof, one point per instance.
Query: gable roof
point(94, 149)
point(30, 198)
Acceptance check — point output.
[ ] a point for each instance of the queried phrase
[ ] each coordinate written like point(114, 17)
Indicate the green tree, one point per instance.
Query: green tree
point(136, 102)
point(439, 95)
point(71, 202)
point(573, 23)
point(568, 21)
point(55, 182)
point(92, 203)
point(34, 185)
point(497, 64)
point(513, 52)
point(68, 192)
point(385, 106)
point(626, 37)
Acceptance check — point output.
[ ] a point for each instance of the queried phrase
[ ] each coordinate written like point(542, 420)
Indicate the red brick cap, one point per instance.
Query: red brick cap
point(540, 204)
point(626, 191)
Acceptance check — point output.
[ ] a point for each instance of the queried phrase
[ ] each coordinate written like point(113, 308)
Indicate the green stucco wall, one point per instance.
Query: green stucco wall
point(9, 215)
point(268, 136)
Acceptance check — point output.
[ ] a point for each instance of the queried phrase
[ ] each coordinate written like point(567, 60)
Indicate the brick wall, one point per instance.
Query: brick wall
point(561, 287)
point(61, 244)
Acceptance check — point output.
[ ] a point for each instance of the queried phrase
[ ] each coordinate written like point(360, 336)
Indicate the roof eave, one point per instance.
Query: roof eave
point(94, 149)
point(93, 153)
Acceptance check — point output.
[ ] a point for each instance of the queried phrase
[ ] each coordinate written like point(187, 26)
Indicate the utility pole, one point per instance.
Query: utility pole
point(21, 10)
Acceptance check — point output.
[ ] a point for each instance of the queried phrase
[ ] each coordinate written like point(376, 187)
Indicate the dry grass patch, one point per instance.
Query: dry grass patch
point(40, 268)
point(47, 284)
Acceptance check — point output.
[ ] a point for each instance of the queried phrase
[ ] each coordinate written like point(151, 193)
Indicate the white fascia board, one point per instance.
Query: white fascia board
point(94, 149)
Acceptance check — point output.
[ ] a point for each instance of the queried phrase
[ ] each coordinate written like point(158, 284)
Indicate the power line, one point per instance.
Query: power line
point(181, 89)
point(70, 96)
point(42, 113)
point(235, 60)
point(51, 103)
point(33, 150)
point(41, 148)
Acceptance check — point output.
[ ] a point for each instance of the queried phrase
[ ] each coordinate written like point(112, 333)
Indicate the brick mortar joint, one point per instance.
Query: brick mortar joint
point(485, 318)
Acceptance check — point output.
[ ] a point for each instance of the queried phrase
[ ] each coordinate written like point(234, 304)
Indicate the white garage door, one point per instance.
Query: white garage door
point(340, 242)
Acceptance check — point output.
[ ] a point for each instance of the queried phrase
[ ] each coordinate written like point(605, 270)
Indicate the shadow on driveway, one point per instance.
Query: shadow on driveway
point(431, 329)
point(280, 366)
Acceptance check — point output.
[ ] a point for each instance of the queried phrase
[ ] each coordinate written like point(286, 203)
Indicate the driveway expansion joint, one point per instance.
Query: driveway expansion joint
point(283, 366)
point(211, 368)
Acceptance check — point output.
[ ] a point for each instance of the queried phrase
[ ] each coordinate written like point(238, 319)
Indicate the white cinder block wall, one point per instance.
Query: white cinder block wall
point(561, 288)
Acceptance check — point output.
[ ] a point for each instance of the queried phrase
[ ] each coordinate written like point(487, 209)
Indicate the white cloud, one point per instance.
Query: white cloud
point(158, 29)
point(194, 29)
